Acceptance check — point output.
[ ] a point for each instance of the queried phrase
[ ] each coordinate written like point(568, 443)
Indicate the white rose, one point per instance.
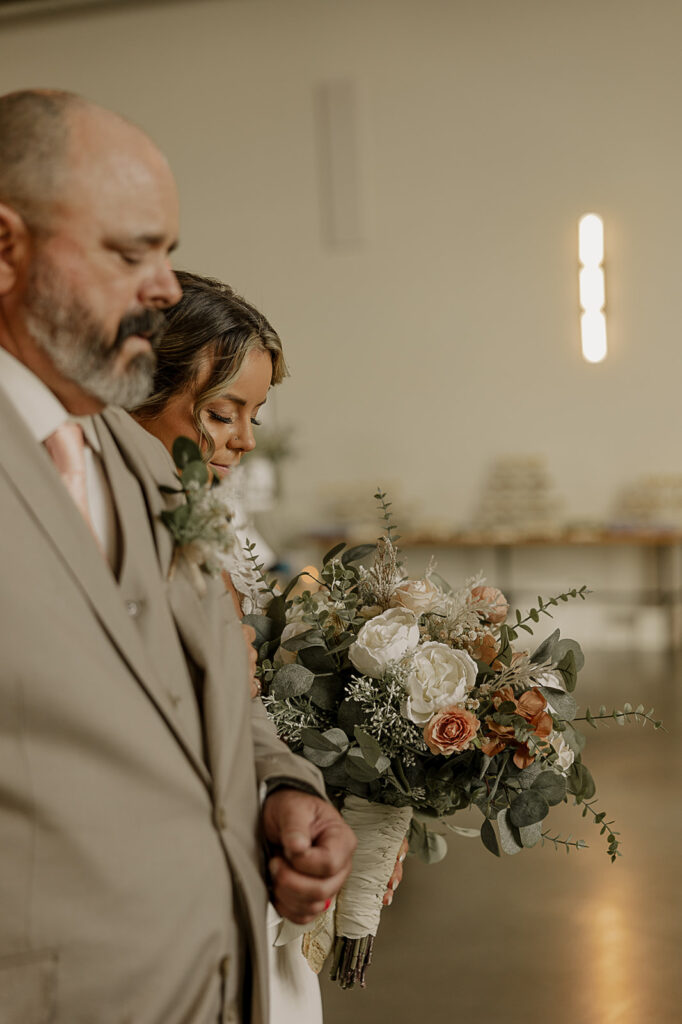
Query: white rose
point(439, 677)
point(385, 638)
point(565, 754)
point(420, 596)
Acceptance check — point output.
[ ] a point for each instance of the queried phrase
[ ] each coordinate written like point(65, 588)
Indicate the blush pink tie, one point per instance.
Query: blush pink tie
point(66, 448)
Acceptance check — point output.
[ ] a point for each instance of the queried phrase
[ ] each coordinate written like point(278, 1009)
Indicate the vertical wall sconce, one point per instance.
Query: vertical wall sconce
point(592, 288)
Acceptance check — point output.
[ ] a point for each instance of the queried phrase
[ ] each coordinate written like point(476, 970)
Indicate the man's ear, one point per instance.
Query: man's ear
point(15, 244)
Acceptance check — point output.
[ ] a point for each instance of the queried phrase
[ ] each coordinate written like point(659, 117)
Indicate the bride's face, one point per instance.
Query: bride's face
point(229, 419)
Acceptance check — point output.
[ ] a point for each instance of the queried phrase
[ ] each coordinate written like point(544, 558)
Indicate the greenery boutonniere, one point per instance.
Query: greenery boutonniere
point(201, 523)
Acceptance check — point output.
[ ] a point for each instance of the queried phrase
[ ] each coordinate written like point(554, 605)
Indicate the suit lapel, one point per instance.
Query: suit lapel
point(206, 624)
point(31, 473)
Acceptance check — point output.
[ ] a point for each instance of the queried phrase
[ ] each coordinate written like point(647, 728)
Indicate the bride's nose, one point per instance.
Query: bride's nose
point(244, 439)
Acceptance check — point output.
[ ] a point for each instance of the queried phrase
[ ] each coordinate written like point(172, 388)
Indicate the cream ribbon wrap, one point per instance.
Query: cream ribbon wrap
point(379, 830)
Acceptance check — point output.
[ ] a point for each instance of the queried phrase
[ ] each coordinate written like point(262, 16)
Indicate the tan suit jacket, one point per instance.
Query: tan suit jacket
point(131, 884)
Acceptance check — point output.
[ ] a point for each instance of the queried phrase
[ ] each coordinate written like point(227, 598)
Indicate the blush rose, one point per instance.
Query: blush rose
point(420, 596)
point(451, 730)
point(498, 606)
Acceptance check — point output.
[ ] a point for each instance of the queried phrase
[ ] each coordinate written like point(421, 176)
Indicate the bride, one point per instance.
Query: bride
point(216, 363)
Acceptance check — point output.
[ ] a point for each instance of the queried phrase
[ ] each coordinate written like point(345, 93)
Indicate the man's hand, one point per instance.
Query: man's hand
point(312, 849)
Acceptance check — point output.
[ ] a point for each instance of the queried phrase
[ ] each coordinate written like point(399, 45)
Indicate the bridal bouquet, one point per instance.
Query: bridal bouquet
point(412, 700)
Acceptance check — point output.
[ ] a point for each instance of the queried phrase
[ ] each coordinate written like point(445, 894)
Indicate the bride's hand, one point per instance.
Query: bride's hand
point(397, 876)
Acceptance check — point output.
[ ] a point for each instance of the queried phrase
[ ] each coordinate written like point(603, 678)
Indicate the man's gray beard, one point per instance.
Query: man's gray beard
point(78, 346)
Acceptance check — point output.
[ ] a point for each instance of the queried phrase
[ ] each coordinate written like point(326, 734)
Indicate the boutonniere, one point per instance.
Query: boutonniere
point(200, 523)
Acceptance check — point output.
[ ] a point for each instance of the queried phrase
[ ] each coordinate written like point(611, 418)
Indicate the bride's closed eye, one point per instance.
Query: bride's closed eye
point(228, 419)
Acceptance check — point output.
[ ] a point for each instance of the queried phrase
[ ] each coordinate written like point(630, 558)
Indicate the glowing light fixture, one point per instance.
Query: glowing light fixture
point(592, 287)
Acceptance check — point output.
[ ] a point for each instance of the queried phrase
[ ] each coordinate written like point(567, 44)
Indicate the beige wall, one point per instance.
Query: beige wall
point(486, 128)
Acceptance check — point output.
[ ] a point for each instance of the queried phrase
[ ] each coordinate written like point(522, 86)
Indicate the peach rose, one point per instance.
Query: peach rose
point(499, 605)
point(450, 730)
point(522, 756)
point(532, 706)
point(503, 696)
point(499, 737)
point(485, 649)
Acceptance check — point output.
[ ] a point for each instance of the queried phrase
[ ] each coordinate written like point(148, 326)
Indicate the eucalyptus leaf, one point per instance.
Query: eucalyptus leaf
point(371, 750)
point(317, 658)
point(326, 692)
point(335, 775)
point(528, 775)
point(580, 782)
point(357, 767)
point(291, 681)
point(569, 671)
point(529, 807)
point(330, 739)
point(488, 838)
point(277, 613)
point(194, 473)
point(262, 626)
point(562, 704)
point(423, 843)
point(310, 638)
point(531, 835)
point(321, 758)
point(291, 584)
point(510, 840)
point(552, 786)
point(185, 451)
point(357, 553)
point(436, 847)
point(333, 552)
point(349, 715)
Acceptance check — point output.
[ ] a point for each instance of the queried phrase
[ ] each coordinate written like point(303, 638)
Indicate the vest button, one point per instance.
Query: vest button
point(133, 608)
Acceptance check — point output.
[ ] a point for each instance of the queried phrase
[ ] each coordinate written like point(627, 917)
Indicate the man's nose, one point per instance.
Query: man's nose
point(162, 289)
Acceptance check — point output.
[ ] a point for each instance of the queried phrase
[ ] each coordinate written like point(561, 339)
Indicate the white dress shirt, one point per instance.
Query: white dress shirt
point(43, 413)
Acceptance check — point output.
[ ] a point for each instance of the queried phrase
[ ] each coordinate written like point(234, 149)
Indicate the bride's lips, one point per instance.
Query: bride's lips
point(219, 468)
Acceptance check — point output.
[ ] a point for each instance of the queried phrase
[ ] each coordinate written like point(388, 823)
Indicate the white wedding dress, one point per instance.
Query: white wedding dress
point(294, 987)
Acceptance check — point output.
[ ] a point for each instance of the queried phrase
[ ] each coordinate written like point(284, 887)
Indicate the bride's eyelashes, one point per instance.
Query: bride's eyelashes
point(229, 419)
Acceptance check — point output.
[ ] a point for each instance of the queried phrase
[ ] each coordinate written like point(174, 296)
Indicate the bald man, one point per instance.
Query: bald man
point(131, 758)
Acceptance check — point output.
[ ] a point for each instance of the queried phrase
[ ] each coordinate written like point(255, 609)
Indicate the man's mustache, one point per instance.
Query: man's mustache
point(151, 323)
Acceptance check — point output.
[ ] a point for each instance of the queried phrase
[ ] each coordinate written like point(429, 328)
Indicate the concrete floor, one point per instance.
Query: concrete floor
point(543, 936)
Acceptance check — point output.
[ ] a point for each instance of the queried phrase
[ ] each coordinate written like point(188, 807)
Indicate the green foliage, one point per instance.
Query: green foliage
point(489, 839)
point(542, 608)
point(557, 842)
point(385, 508)
point(426, 844)
point(628, 714)
point(291, 681)
point(199, 519)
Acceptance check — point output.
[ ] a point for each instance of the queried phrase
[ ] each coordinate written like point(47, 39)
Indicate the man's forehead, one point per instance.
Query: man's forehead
point(125, 194)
